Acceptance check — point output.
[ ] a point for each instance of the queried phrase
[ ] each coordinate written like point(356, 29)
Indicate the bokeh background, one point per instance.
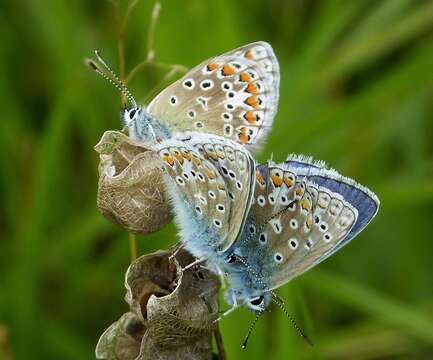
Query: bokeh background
point(356, 91)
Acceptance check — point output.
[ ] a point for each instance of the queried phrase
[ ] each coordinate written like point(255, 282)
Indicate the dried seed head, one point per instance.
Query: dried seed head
point(172, 313)
point(131, 188)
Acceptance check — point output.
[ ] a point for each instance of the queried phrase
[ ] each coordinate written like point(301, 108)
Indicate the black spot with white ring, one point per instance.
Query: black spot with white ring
point(173, 100)
point(180, 181)
point(188, 84)
point(293, 244)
point(278, 258)
point(206, 84)
point(217, 223)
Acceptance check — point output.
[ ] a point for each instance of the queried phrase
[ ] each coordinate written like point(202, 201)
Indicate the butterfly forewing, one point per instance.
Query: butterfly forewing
point(234, 95)
point(205, 197)
point(296, 223)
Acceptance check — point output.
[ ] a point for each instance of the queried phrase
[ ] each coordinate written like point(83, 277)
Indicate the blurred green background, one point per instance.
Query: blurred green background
point(356, 91)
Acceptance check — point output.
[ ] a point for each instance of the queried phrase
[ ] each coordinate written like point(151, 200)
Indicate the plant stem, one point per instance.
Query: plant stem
point(133, 246)
point(219, 343)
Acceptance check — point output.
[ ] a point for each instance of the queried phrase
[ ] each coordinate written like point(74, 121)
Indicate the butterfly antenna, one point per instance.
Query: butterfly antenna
point(113, 80)
point(250, 330)
point(125, 90)
point(295, 325)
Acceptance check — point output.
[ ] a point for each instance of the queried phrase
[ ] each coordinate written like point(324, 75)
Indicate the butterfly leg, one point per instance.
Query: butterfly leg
point(229, 311)
point(194, 263)
point(179, 247)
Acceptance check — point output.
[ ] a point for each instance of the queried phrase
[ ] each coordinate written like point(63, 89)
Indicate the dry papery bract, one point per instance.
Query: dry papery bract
point(131, 188)
point(171, 313)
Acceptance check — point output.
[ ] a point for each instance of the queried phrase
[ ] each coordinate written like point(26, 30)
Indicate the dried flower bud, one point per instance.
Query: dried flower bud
point(172, 313)
point(130, 189)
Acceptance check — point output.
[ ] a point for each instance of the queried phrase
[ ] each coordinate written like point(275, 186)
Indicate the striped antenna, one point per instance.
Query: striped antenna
point(295, 325)
point(113, 79)
point(253, 324)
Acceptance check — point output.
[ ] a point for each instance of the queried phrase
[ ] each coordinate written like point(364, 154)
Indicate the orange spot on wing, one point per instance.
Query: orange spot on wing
point(260, 178)
point(196, 160)
point(288, 181)
point(169, 160)
point(249, 54)
point(186, 155)
point(243, 136)
point(221, 155)
point(245, 77)
point(179, 157)
point(299, 191)
point(210, 174)
point(276, 180)
point(309, 221)
point(221, 187)
point(228, 70)
point(306, 204)
point(213, 155)
point(252, 101)
point(212, 67)
point(250, 116)
point(252, 88)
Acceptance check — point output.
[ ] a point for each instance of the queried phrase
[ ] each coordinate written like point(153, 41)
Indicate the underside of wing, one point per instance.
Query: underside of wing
point(301, 215)
point(234, 95)
point(209, 204)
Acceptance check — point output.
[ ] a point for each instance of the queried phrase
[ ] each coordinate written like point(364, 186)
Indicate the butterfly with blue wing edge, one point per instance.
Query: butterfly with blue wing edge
point(301, 213)
point(234, 95)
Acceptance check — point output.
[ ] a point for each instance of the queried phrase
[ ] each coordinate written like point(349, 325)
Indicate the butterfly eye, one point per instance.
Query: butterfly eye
point(257, 301)
point(231, 259)
point(132, 113)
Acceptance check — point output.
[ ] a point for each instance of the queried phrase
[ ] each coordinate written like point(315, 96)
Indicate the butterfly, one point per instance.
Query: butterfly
point(261, 225)
point(234, 95)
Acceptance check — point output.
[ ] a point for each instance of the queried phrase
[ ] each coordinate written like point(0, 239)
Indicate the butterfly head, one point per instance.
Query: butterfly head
point(130, 115)
point(258, 303)
point(142, 126)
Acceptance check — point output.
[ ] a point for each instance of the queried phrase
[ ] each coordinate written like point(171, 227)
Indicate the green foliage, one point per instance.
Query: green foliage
point(356, 91)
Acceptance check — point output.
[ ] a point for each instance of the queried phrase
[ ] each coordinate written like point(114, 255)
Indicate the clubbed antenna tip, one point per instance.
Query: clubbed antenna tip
point(90, 63)
point(250, 330)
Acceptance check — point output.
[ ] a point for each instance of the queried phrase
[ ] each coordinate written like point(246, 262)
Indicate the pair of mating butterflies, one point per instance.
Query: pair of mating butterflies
point(261, 225)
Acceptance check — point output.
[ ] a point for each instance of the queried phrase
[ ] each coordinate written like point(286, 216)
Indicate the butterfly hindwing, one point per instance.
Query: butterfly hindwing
point(206, 201)
point(295, 223)
point(237, 167)
point(234, 95)
point(364, 200)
